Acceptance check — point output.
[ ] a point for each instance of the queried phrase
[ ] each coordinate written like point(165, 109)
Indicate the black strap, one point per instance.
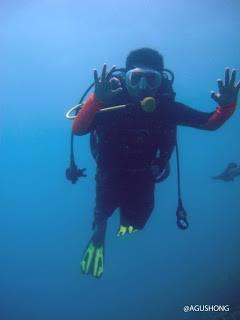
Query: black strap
point(181, 214)
point(178, 173)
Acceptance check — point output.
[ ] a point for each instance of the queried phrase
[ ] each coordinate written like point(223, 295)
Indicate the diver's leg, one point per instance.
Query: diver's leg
point(93, 258)
point(106, 203)
point(137, 203)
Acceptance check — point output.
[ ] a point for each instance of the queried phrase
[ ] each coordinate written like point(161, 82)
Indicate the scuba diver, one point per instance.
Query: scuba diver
point(230, 173)
point(134, 141)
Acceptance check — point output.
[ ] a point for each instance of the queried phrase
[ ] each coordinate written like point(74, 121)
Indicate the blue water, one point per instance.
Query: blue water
point(48, 51)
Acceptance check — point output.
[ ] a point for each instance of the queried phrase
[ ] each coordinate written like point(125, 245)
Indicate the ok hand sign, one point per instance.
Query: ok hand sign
point(106, 86)
point(228, 91)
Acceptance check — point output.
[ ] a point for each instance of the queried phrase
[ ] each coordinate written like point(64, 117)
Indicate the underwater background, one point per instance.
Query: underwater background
point(48, 51)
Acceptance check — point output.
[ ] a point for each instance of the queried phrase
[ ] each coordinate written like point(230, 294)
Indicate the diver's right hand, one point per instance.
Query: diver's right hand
point(106, 86)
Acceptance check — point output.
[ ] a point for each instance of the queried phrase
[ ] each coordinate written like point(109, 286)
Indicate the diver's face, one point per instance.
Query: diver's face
point(143, 82)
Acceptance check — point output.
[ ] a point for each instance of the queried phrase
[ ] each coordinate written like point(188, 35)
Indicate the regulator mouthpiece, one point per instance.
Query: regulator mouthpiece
point(148, 104)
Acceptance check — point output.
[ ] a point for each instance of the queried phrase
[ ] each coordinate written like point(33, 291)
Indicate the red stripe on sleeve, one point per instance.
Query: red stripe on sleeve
point(86, 115)
point(221, 114)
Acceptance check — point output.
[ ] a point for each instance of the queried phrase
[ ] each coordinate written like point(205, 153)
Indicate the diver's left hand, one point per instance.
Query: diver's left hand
point(228, 91)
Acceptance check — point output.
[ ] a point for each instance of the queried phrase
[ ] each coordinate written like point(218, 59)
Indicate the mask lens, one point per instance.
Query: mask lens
point(135, 78)
point(151, 79)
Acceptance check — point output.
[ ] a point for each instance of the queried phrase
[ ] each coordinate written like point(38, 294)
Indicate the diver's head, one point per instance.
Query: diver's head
point(144, 73)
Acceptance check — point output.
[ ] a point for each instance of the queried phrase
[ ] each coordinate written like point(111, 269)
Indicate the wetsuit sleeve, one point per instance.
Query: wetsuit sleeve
point(187, 116)
point(83, 122)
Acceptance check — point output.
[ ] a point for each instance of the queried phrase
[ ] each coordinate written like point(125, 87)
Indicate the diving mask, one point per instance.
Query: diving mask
point(143, 82)
point(143, 78)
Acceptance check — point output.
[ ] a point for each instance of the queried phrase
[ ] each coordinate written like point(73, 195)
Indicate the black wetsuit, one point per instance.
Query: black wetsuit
point(128, 141)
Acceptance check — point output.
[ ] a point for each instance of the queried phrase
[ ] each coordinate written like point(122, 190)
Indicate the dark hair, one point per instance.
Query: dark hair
point(145, 57)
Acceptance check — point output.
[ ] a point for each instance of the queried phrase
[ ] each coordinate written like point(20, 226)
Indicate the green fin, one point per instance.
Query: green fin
point(123, 230)
point(93, 260)
point(131, 229)
point(98, 262)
